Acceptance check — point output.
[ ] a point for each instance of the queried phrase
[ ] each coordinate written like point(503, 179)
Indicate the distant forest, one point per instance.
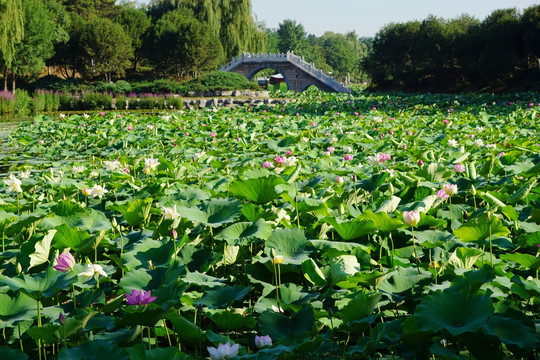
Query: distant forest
point(183, 39)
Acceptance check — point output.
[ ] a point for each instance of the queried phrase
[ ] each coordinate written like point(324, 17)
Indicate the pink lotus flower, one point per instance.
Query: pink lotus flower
point(409, 133)
point(289, 152)
point(348, 157)
point(213, 134)
point(450, 189)
point(223, 351)
point(459, 168)
point(446, 121)
point(139, 297)
point(267, 164)
point(313, 124)
point(331, 149)
point(129, 127)
point(262, 341)
point(101, 113)
point(279, 159)
point(500, 154)
point(65, 262)
point(420, 162)
point(339, 180)
point(441, 194)
point(411, 218)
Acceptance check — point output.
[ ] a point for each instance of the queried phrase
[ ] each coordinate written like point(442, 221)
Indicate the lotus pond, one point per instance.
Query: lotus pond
point(336, 226)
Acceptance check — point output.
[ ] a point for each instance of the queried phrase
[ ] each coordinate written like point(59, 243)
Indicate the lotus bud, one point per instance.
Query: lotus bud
point(174, 234)
point(61, 319)
point(473, 190)
point(19, 268)
point(341, 209)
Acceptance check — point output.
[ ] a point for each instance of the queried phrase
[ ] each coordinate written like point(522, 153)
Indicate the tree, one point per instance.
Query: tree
point(183, 45)
point(37, 44)
point(11, 32)
point(339, 53)
point(292, 37)
point(107, 48)
point(531, 34)
point(70, 55)
point(86, 8)
point(135, 23)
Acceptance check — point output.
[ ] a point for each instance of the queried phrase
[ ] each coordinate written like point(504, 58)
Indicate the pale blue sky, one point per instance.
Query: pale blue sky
point(366, 17)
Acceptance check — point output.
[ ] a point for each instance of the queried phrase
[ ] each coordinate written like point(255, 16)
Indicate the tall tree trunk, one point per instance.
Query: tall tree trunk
point(13, 83)
point(5, 80)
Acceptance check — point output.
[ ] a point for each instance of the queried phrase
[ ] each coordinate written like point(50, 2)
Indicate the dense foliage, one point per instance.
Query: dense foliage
point(336, 226)
point(502, 50)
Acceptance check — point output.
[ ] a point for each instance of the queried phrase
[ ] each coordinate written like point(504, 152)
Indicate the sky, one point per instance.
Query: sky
point(366, 17)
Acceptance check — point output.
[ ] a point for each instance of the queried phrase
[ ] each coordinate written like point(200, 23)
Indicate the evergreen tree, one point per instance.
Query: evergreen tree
point(136, 24)
point(107, 48)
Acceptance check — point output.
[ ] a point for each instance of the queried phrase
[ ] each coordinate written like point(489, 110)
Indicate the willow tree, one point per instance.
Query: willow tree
point(232, 22)
point(11, 32)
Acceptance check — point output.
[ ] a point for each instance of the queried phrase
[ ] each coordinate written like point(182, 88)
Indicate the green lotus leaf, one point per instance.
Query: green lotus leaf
point(135, 212)
point(313, 273)
point(43, 247)
point(16, 309)
point(342, 267)
point(214, 213)
point(223, 296)
point(351, 229)
point(361, 306)
point(464, 257)
point(284, 329)
point(457, 312)
point(404, 279)
point(187, 330)
point(513, 328)
point(432, 238)
point(228, 320)
point(201, 279)
point(245, 232)
point(478, 229)
point(139, 352)
point(12, 354)
point(40, 285)
point(260, 190)
point(382, 221)
point(526, 260)
point(288, 243)
point(93, 350)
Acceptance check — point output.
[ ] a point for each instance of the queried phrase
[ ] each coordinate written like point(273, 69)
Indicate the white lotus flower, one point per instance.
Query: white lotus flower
point(13, 184)
point(169, 213)
point(112, 165)
point(77, 169)
point(93, 270)
point(223, 351)
point(25, 174)
point(452, 143)
point(98, 191)
point(150, 164)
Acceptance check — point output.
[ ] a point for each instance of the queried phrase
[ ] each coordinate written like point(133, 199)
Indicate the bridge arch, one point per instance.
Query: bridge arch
point(256, 69)
point(297, 73)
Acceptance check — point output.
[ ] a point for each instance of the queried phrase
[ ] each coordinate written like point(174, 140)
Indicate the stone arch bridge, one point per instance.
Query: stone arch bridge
point(297, 73)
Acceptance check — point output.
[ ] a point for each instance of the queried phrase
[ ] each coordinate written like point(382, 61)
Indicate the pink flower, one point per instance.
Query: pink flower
point(446, 121)
point(279, 159)
point(139, 297)
point(500, 154)
point(409, 133)
point(101, 113)
point(65, 262)
point(331, 149)
point(267, 164)
point(289, 152)
point(348, 157)
point(129, 127)
point(441, 194)
point(262, 341)
point(450, 189)
point(339, 180)
point(420, 162)
point(313, 124)
point(459, 168)
point(213, 134)
point(411, 218)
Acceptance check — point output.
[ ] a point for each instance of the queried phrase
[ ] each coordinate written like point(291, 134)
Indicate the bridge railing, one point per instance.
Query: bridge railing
point(316, 73)
point(287, 57)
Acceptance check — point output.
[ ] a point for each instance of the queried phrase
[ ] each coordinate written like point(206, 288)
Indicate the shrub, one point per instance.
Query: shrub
point(94, 101)
point(65, 100)
point(174, 102)
point(120, 102)
point(22, 102)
